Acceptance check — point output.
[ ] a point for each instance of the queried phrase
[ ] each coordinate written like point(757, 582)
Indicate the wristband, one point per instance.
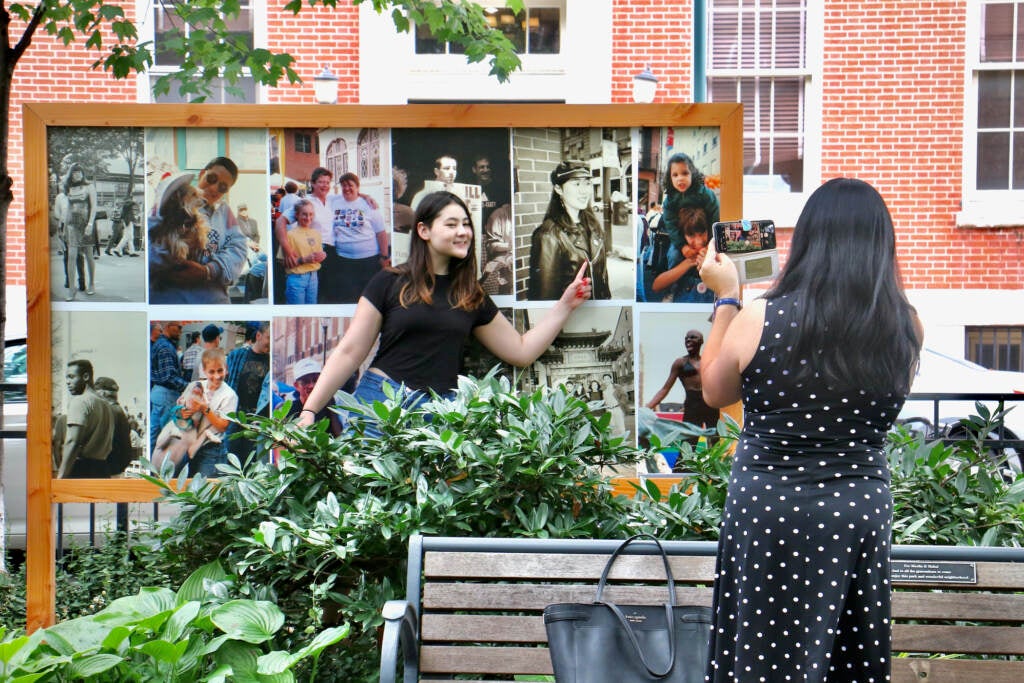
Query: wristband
point(307, 410)
point(729, 301)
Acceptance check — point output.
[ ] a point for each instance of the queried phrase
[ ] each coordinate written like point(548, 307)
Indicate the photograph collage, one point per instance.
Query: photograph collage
point(196, 272)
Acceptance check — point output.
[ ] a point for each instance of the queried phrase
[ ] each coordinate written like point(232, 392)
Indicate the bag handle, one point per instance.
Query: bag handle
point(618, 551)
point(669, 617)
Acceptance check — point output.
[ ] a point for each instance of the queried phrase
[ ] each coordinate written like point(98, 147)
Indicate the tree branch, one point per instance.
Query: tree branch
point(26, 37)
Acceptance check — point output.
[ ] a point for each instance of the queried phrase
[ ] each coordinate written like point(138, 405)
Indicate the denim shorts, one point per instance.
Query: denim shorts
point(371, 388)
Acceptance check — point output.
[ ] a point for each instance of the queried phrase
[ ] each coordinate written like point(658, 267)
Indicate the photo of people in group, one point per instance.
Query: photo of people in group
point(204, 244)
point(682, 205)
point(472, 164)
point(99, 393)
point(330, 207)
point(584, 216)
point(96, 191)
point(202, 371)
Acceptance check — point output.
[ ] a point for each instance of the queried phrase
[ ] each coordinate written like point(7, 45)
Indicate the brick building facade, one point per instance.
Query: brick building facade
point(889, 93)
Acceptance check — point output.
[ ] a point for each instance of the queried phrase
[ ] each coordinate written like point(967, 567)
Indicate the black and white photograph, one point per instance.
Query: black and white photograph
point(473, 163)
point(572, 210)
point(205, 246)
point(591, 358)
point(683, 205)
point(96, 191)
point(332, 228)
point(99, 393)
point(201, 371)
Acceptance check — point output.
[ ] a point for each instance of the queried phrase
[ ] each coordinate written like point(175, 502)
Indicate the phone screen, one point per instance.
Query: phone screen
point(743, 237)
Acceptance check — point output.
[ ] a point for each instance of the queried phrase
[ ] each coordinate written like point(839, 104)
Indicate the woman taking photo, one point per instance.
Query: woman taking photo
point(424, 311)
point(569, 237)
point(823, 363)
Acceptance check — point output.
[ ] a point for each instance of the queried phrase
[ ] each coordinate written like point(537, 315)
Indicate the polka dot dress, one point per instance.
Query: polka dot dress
point(802, 583)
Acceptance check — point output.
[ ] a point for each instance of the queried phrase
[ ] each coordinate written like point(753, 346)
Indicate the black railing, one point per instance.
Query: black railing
point(941, 426)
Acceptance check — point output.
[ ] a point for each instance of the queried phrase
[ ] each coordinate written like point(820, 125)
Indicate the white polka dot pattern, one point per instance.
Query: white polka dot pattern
point(802, 580)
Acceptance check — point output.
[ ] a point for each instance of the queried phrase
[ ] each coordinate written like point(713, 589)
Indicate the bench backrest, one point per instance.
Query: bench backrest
point(481, 600)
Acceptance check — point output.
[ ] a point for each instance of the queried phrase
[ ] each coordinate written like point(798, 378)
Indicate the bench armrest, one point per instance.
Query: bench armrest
point(401, 629)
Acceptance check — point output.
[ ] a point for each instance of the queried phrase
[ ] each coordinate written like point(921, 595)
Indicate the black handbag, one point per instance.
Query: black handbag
point(603, 642)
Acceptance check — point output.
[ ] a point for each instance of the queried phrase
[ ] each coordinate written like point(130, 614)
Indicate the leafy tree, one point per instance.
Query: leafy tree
point(204, 55)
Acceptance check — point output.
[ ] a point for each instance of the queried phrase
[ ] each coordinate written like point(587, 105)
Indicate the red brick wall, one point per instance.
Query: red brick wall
point(655, 33)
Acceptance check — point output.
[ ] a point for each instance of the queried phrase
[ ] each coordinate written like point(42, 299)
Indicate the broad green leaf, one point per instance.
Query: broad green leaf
point(251, 621)
point(93, 665)
point(193, 590)
point(164, 651)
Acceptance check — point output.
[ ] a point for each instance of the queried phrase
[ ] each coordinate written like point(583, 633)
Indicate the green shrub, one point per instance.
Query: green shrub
point(198, 633)
point(324, 532)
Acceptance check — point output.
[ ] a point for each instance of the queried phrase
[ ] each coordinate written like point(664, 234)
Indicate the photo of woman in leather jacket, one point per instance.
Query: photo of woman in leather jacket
point(569, 235)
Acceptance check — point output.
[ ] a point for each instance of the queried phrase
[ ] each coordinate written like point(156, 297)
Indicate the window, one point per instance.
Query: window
point(167, 26)
point(1000, 108)
point(758, 56)
point(306, 143)
point(535, 30)
point(997, 348)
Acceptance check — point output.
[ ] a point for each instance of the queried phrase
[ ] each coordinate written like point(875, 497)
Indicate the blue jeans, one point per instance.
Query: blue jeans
point(371, 388)
point(161, 402)
point(207, 458)
point(301, 288)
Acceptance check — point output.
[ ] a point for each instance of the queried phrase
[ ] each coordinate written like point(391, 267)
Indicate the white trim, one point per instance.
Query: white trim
point(981, 208)
point(391, 73)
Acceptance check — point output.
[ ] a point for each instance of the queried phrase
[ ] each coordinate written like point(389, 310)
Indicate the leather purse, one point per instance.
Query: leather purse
point(602, 642)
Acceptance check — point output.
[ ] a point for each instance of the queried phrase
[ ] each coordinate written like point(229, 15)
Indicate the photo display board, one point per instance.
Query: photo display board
point(253, 229)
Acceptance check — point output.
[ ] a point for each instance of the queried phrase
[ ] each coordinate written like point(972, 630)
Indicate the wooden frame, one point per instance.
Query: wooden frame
point(43, 490)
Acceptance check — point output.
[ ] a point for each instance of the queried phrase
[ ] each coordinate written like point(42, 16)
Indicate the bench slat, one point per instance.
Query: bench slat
point(534, 597)
point(906, 637)
point(563, 567)
point(911, 670)
point(1001, 640)
point(568, 567)
point(461, 659)
point(958, 606)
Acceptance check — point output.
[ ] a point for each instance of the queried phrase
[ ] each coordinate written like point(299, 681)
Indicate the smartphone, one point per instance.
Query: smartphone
point(751, 245)
point(743, 237)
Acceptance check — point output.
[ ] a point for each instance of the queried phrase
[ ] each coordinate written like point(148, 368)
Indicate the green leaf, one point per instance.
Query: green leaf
point(277, 662)
point(193, 589)
point(93, 665)
point(248, 620)
point(164, 651)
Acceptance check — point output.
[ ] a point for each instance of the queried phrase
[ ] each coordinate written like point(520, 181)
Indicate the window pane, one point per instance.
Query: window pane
point(545, 31)
point(724, 32)
point(426, 44)
point(1018, 99)
point(513, 27)
point(997, 32)
point(165, 29)
point(993, 161)
point(789, 40)
point(1018, 159)
point(240, 27)
point(994, 99)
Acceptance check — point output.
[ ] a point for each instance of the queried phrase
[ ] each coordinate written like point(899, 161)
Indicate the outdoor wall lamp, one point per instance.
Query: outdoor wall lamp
point(645, 86)
point(325, 87)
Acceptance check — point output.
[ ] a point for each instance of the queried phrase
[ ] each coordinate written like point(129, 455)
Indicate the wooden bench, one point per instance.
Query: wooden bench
point(474, 605)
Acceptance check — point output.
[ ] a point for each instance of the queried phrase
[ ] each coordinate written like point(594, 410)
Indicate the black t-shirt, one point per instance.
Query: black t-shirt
point(423, 346)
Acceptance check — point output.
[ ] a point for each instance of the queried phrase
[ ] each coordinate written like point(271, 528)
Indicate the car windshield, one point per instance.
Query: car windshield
point(15, 369)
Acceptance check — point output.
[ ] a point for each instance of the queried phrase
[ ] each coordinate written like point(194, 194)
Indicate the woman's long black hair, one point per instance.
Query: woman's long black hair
point(854, 326)
point(465, 292)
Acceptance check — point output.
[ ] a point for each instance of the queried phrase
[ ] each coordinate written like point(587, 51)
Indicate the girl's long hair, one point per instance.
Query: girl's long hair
point(68, 183)
point(696, 177)
point(854, 326)
point(465, 292)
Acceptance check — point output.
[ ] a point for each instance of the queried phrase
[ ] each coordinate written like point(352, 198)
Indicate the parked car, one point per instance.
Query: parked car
point(941, 373)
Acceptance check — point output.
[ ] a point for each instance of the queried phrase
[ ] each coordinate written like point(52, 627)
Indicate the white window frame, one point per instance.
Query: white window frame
point(392, 73)
point(982, 208)
point(144, 10)
point(785, 207)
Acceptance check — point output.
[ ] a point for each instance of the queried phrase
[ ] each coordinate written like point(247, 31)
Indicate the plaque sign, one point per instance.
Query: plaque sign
point(919, 571)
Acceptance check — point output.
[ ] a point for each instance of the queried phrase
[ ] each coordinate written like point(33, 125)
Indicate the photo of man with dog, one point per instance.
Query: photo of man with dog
point(197, 252)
